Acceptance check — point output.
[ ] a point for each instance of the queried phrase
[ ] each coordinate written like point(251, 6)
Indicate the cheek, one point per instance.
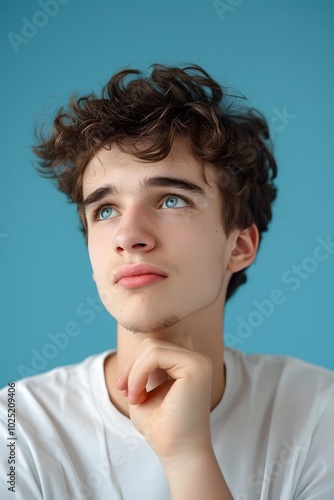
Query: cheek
point(97, 256)
point(205, 254)
point(217, 251)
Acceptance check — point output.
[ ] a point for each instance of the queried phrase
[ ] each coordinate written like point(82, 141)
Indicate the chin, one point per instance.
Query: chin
point(145, 326)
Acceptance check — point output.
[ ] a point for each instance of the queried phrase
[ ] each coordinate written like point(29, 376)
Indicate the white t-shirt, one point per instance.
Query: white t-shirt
point(272, 432)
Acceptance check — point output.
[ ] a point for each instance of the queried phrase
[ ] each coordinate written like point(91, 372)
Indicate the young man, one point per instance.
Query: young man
point(173, 185)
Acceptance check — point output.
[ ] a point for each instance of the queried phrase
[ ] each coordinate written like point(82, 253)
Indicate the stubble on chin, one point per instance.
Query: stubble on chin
point(159, 326)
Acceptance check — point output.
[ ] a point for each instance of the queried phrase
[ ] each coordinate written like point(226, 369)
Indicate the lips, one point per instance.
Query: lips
point(138, 275)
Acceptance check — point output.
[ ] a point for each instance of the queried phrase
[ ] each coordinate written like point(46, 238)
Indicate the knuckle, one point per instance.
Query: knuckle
point(202, 364)
point(206, 363)
point(150, 343)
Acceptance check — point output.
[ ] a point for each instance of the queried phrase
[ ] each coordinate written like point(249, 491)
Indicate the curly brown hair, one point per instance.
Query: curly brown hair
point(143, 115)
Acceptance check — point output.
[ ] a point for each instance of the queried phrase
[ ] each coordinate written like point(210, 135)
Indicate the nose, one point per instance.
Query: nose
point(134, 233)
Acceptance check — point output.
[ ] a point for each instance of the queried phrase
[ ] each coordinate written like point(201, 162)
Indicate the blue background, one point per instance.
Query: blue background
point(278, 53)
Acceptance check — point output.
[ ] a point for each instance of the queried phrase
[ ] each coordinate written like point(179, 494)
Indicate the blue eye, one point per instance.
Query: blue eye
point(174, 202)
point(106, 213)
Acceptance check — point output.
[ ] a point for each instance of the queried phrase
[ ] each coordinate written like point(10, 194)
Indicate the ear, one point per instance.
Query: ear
point(244, 249)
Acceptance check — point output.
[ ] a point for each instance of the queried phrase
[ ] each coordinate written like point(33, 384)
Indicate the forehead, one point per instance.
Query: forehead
point(122, 169)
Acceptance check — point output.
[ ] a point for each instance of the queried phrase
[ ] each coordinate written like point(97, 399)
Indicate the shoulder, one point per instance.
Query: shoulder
point(285, 383)
point(53, 388)
point(276, 368)
point(282, 409)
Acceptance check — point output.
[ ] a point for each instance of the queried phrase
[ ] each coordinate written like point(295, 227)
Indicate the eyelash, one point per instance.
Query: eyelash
point(170, 195)
point(99, 209)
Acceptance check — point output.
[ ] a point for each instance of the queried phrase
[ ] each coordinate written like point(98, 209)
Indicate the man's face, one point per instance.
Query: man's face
point(162, 214)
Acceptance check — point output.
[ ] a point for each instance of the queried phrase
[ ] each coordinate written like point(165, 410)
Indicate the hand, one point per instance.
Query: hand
point(174, 417)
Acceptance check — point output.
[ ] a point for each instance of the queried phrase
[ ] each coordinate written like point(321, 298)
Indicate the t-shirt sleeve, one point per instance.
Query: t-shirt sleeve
point(317, 478)
point(36, 474)
point(18, 476)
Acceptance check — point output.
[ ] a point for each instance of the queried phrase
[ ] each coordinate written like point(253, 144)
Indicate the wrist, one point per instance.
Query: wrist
point(188, 459)
point(197, 477)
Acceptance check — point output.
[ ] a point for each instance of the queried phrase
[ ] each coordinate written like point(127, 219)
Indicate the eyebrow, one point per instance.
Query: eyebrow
point(165, 182)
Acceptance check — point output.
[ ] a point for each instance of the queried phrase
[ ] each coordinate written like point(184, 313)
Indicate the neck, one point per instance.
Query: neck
point(203, 333)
